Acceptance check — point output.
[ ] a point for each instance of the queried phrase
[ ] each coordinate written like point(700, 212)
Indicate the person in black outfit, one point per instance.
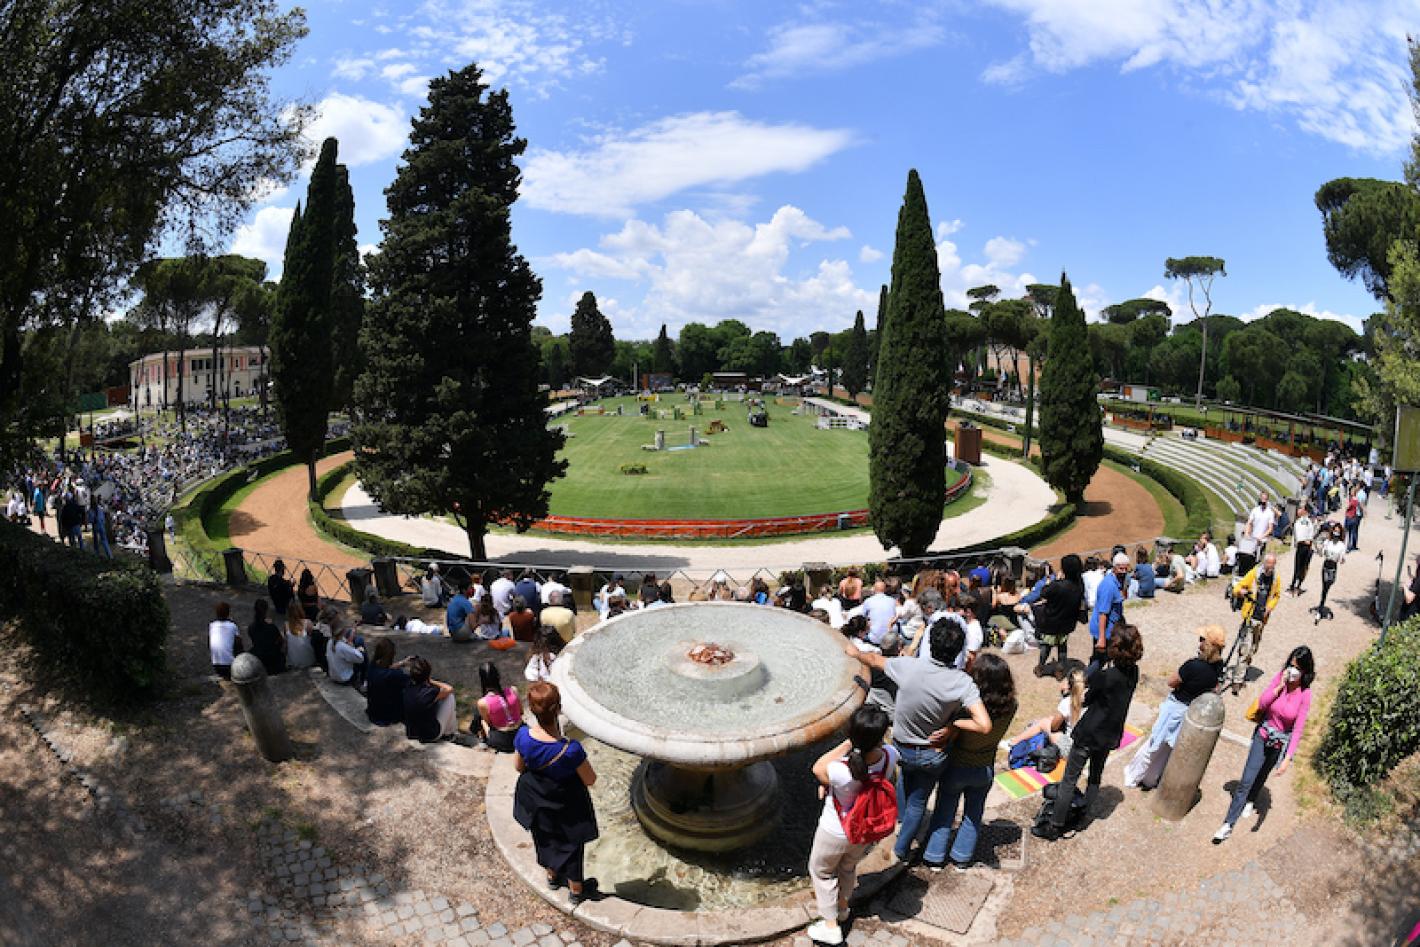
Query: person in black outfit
point(279, 588)
point(267, 641)
point(371, 611)
point(385, 682)
point(1108, 693)
point(1058, 611)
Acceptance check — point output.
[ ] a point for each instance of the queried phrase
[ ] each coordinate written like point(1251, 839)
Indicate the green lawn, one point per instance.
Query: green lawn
point(786, 469)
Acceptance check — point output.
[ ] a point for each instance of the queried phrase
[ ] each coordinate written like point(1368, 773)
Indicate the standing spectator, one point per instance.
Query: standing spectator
point(300, 650)
point(224, 641)
point(308, 594)
point(850, 589)
point(1197, 675)
point(98, 525)
point(1303, 533)
point(501, 592)
point(556, 615)
point(1355, 509)
point(971, 768)
point(930, 693)
point(1333, 553)
point(499, 711)
point(1108, 692)
point(279, 588)
point(551, 800)
point(71, 522)
point(1284, 704)
point(843, 773)
point(1109, 607)
point(345, 661)
point(430, 712)
point(267, 641)
point(384, 686)
point(37, 504)
point(1256, 531)
point(1059, 612)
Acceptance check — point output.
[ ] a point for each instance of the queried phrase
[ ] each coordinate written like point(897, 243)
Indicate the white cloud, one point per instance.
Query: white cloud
point(1310, 309)
point(396, 71)
point(618, 173)
point(1001, 254)
point(1335, 67)
point(354, 69)
point(265, 238)
point(367, 131)
point(797, 49)
point(870, 254)
point(695, 269)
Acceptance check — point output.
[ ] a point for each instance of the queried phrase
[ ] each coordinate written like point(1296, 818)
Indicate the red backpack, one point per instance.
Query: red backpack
point(873, 815)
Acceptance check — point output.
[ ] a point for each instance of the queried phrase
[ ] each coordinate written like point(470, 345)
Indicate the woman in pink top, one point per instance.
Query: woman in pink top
point(1284, 703)
point(499, 709)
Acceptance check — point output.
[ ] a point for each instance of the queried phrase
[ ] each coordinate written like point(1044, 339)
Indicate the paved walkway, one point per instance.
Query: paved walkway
point(837, 409)
point(1017, 498)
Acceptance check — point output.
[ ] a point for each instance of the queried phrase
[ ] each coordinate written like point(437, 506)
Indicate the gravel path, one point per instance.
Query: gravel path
point(273, 519)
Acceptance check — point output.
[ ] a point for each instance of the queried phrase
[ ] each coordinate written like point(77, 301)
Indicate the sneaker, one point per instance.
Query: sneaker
point(1249, 811)
point(1047, 833)
point(961, 866)
point(822, 932)
point(1221, 836)
point(933, 866)
point(1005, 746)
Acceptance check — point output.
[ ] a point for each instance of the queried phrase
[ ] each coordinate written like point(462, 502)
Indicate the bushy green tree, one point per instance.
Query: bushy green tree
point(855, 359)
point(592, 345)
point(912, 389)
point(1361, 218)
point(1071, 431)
point(451, 420)
point(347, 296)
point(663, 353)
point(699, 350)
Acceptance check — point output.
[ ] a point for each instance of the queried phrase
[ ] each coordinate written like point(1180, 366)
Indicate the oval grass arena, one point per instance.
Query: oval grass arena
point(790, 468)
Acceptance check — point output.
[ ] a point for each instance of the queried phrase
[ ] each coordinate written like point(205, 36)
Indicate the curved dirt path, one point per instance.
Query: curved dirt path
point(1117, 509)
point(273, 519)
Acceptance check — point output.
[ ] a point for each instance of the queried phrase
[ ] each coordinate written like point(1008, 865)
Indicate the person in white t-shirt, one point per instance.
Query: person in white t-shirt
point(843, 772)
point(1303, 533)
point(555, 585)
point(1230, 556)
point(1258, 529)
point(830, 605)
point(224, 641)
point(502, 591)
point(975, 634)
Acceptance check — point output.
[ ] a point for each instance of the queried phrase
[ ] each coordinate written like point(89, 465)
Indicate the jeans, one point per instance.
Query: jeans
point(1080, 754)
point(1260, 761)
point(956, 783)
point(101, 544)
point(918, 772)
point(1353, 531)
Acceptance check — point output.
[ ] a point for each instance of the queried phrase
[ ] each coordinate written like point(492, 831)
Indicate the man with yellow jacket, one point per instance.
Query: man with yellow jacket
point(1260, 588)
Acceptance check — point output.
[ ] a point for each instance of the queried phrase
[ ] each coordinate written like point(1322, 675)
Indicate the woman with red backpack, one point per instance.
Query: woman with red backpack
point(859, 809)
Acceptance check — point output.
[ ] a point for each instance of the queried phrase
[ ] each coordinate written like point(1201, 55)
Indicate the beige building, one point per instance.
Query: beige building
point(239, 372)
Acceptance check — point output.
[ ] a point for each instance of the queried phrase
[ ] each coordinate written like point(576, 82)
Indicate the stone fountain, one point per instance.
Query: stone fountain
point(707, 693)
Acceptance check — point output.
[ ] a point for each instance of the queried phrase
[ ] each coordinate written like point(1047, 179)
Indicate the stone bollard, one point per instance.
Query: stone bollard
point(358, 581)
point(583, 582)
point(259, 708)
point(694, 438)
point(235, 566)
point(1178, 790)
point(1016, 559)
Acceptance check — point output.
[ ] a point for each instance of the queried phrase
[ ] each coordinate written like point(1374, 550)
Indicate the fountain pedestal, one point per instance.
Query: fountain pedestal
point(708, 810)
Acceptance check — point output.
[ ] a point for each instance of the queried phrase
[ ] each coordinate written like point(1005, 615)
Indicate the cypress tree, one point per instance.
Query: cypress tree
point(450, 419)
point(875, 337)
point(1071, 438)
point(911, 396)
point(302, 323)
point(591, 343)
point(662, 353)
point(855, 360)
point(347, 295)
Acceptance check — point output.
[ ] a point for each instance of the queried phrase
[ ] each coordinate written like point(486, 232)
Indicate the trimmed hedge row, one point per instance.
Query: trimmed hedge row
point(1375, 719)
point(355, 538)
point(1184, 490)
point(98, 624)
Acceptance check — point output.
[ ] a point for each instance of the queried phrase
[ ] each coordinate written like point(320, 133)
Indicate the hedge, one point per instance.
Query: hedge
point(358, 539)
point(98, 624)
point(1183, 489)
point(1375, 719)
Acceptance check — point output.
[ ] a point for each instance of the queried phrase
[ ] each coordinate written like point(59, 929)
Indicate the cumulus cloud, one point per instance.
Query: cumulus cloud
point(368, 131)
point(999, 257)
point(1335, 67)
point(806, 48)
point(870, 254)
point(616, 173)
point(695, 269)
point(265, 238)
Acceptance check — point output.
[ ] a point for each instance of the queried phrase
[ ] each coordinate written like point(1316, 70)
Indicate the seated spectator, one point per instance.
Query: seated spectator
point(384, 686)
point(1206, 562)
point(759, 592)
point(667, 596)
point(267, 641)
point(531, 590)
point(371, 612)
point(555, 585)
point(556, 615)
point(300, 650)
point(458, 615)
point(487, 623)
point(698, 595)
point(522, 620)
point(828, 603)
point(432, 592)
point(224, 641)
point(616, 603)
point(545, 649)
point(345, 661)
point(616, 586)
point(1142, 584)
point(500, 714)
point(856, 629)
point(416, 626)
point(1171, 567)
point(850, 588)
point(1058, 726)
point(650, 590)
point(1230, 556)
point(966, 607)
point(430, 713)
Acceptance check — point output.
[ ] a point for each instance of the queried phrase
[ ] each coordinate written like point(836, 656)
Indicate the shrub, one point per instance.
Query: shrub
point(358, 539)
point(98, 624)
point(1375, 719)
point(634, 469)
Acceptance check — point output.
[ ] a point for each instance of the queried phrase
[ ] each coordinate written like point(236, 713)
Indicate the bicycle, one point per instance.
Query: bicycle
point(1239, 657)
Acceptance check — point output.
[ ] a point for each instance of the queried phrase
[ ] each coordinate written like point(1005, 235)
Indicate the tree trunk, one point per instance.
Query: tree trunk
point(1030, 407)
point(216, 370)
point(181, 401)
point(1202, 364)
point(311, 476)
point(477, 532)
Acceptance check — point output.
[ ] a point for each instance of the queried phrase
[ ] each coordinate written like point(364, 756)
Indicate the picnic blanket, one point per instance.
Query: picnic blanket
point(1019, 783)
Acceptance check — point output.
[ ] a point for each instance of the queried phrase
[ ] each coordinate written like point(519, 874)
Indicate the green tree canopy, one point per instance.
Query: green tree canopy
point(1132, 309)
point(1198, 272)
point(855, 359)
point(1071, 430)
point(1361, 218)
point(592, 345)
point(663, 353)
point(453, 306)
point(699, 350)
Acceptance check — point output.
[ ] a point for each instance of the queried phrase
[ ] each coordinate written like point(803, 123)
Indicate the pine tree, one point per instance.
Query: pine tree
point(302, 326)
point(450, 418)
point(912, 391)
point(855, 360)
point(592, 346)
point(663, 354)
point(347, 295)
point(1071, 438)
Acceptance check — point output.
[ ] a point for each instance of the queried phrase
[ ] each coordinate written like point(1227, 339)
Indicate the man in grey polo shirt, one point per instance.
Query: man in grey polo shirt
point(930, 695)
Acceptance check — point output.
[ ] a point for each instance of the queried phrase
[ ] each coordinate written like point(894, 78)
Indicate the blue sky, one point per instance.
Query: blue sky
point(694, 160)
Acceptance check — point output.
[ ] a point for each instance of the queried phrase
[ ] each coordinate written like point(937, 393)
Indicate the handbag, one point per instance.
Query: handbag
point(1254, 712)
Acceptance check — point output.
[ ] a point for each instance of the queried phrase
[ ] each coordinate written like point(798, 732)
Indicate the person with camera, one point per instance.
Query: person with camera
point(1283, 706)
point(1256, 594)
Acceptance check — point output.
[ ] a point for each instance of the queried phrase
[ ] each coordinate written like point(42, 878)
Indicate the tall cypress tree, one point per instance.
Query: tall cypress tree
point(347, 294)
point(855, 360)
point(662, 353)
point(1071, 437)
point(592, 346)
point(302, 323)
point(875, 337)
point(450, 419)
point(912, 390)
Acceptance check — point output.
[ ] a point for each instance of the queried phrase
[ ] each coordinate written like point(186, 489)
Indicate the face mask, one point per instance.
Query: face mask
point(1293, 675)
